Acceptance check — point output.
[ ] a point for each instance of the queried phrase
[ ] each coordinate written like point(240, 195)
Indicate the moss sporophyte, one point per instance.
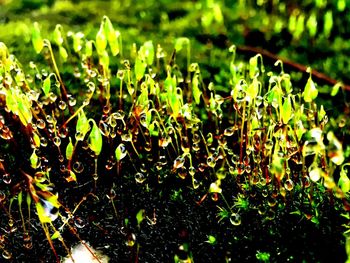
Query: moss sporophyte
point(142, 119)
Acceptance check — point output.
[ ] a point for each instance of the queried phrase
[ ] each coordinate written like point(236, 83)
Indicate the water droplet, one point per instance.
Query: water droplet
point(6, 178)
point(40, 123)
point(270, 214)
point(79, 222)
point(140, 178)
point(6, 254)
point(60, 158)
point(289, 185)
point(57, 141)
point(63, 168)
point(192, 171)
point(315, 173)
point(130, 242)
point(229, 131)
point(179, 162)
point(72, 101)
point(306, 181)
point(62, 105)
point(43, 142)
point(211, 162)
point(195, 147)
point(272, 201)
point(111, 195)
point(235, 219)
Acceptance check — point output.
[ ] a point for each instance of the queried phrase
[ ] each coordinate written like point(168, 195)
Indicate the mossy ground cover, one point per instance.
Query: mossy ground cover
point(156, 133)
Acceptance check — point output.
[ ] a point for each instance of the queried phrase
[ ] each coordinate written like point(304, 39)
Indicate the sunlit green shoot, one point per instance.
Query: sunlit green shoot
point(37, 41)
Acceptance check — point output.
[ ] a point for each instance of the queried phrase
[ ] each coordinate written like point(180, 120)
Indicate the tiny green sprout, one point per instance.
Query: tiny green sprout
point(69, 150)
point(328, 23)
point(263, 256)
point(140, 216)
point(344, 181)
point(310, 92)
point(95, 139)
point(112, 36)
point(47, 85)
point(57, 35)
point(37, 41)
point(120, 152)
point(223, 213)
point(101, 40)
point(211, 240)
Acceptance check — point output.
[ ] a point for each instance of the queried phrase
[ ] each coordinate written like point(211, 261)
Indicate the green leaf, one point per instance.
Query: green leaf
point(120, 152)
point(95, 139)
point(328, 23)
point(154, 129)
point(112, 36)
point(24, 110)
point(63, 53)
point(311, 25)
point(310, 92)
point(55, 235)
point(82, 125)
point(148, 51)
point(253, 66)
point(140, 68)
point(101, 40)
point(69, 150)
point(57, 35)
point(37, 41)
point(140, 216)
point(286, 113)
point(335, 89)
point(34, 160)
point(20, 199)
point(77, 42)
point(47, 86)
point(181, 42)
point(195, 89)
point(344, 182)
point(88, 48)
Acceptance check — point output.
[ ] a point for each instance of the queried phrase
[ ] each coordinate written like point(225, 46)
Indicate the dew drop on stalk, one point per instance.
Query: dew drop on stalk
point(270, 214)
point(159, 166)
point(126, 137)
point(235, 219)
point(140, 178)
point(63, 168)
point(40, 123)
point(72, 101)
point(240, 168)
point(271, 201)
point(248, 169)
point(147, 147)
point(6, 254)
point(60, 158)
point(179, 162)
point(258, 101)
point(57, 141)
point(131, 239)
point(79, 222)
point(195, 147)
point(229, 131)
point(2, 196)
point(289, 185)
point(111, 195)
point(192, 171)
point(79, 136)
point(214, 197)
point(182, 172)
point(52, 97)
point(62, 105)
point(264, 192)
point(201, 167)
point(211, 162)
point(6, 178)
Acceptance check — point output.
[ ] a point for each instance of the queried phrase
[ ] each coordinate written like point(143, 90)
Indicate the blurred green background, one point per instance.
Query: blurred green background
point(311, 32)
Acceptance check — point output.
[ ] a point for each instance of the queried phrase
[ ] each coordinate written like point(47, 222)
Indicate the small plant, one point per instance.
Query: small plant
point(260, 146)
